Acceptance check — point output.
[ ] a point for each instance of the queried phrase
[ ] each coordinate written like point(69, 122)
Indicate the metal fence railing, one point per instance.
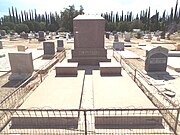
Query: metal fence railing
point(92, 121)
point(13, 99)
point(152, 92)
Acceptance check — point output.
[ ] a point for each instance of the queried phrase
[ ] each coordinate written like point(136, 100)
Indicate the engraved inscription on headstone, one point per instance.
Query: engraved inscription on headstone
point(156, 60)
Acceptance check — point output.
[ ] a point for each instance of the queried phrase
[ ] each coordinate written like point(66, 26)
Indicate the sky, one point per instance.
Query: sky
point(90, 6)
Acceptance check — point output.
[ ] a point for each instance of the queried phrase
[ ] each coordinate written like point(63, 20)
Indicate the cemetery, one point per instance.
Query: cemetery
point(95, 83)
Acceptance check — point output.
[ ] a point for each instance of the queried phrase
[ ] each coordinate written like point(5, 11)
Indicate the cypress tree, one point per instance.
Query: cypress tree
point(35, 14)
point(20, 20)
point(22, 16)
point(10, 17)
point(171, 15)
point(117, 17)
point(175, 12)
point(17, 21)
point(148, 22)
point(13, 15)
point(30, 17)
point(122, 16)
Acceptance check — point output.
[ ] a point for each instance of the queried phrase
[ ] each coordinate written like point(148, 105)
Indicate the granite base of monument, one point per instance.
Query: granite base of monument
point(89, 56)
point(19, 76)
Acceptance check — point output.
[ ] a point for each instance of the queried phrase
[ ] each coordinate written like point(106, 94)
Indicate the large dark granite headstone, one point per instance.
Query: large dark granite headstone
point(156, 60)
point(24, 35)
point(89, 40)
point(60, 45)
point(49, 48)
point(41, 36)
point(107, 35)
point(2, 33)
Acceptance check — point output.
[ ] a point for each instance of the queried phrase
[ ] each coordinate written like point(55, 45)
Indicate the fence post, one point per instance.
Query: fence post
point(176, 124)
point(135, 75)
point(85, 122)
point(40, 76)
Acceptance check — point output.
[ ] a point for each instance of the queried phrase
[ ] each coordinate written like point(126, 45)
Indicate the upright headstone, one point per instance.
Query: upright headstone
point(49, 49)
point(178, 47)
point(107, 35)
point(1, 46)
point(89, 40)
point(3, 33)
point(21, 65)
point(24, 35)
point(127, 37)
point(60, 45)
point(116, 38)
point(118, 45)
point(21, 48)
point(163, 35)
point(156, 60)
point(41, 36)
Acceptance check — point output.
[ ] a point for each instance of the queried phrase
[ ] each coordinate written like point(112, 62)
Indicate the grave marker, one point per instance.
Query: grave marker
point(60, 45)
point(89, 40)
point(49, 49)
point(118, 45)
point(21, 65)
point(127, 37)
point(1, 46)
point(156, 60)
point(41, 36)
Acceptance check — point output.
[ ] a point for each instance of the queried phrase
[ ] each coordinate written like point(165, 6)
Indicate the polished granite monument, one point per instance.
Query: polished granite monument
point(89, 40)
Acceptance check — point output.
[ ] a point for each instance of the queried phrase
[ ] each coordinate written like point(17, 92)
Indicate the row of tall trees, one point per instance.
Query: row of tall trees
point(31, 21)
point(63, 21)
point(143, 21)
